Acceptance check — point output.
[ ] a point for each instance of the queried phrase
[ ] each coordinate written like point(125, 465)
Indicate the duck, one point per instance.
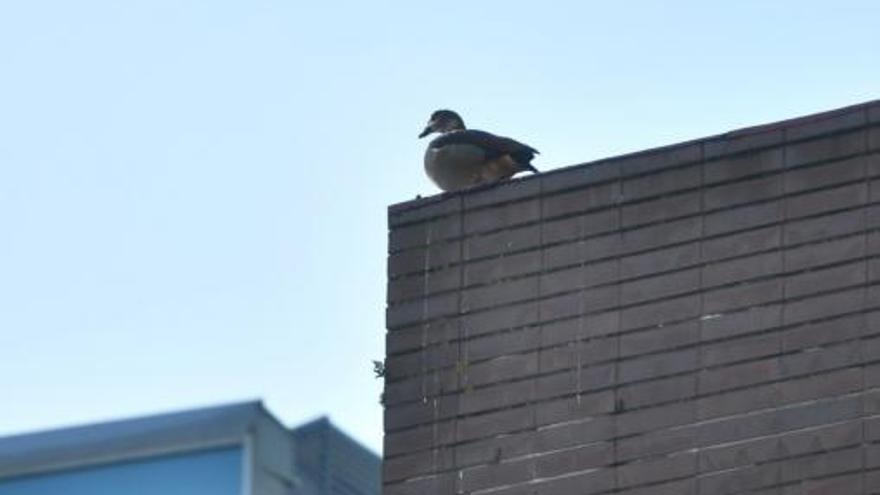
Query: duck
point(461, 158)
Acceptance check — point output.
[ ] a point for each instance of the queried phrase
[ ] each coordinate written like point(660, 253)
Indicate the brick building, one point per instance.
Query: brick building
point(702, 318)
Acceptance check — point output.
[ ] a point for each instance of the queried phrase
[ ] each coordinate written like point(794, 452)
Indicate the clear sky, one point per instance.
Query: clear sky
point(193, 193)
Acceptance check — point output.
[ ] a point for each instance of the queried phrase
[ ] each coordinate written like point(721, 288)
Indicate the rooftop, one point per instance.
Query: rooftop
point(129, 438)
point(712, 147)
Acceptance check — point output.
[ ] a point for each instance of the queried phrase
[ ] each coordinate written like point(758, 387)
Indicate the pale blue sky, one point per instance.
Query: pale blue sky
point(193, 193)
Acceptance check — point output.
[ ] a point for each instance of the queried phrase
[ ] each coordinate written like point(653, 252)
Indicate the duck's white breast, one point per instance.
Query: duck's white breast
point(454, 166)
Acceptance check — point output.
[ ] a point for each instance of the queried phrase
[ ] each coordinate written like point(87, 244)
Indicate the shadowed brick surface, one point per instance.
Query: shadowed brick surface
point(697, 319)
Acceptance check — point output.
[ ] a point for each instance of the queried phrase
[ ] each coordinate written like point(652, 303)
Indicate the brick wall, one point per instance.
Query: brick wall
point(702, 318)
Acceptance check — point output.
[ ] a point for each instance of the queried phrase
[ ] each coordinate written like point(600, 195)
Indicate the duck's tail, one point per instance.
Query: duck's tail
point(524, 157)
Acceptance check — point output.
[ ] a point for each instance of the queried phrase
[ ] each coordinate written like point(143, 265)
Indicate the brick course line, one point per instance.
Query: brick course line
point(631, 253)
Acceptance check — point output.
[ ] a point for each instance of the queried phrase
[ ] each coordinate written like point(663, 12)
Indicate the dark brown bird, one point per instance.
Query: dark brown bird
point(461, 157)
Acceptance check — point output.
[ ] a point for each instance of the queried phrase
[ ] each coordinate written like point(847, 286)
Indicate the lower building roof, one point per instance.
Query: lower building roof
point(130, 438)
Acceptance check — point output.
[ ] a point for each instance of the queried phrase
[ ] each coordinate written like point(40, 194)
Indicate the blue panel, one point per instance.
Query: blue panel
point(215, 472)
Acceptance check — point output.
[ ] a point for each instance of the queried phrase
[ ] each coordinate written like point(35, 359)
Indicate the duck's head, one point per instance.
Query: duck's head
point(443, 121)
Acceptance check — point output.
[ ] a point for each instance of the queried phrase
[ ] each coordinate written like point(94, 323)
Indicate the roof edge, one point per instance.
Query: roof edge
point(127, 439)
point(810, 125)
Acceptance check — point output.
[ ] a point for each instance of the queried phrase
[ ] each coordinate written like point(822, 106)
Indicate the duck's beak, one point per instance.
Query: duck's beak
point(428, 129)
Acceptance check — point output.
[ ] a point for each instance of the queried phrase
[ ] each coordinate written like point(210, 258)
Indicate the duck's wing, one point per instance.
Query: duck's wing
point(494, 146)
